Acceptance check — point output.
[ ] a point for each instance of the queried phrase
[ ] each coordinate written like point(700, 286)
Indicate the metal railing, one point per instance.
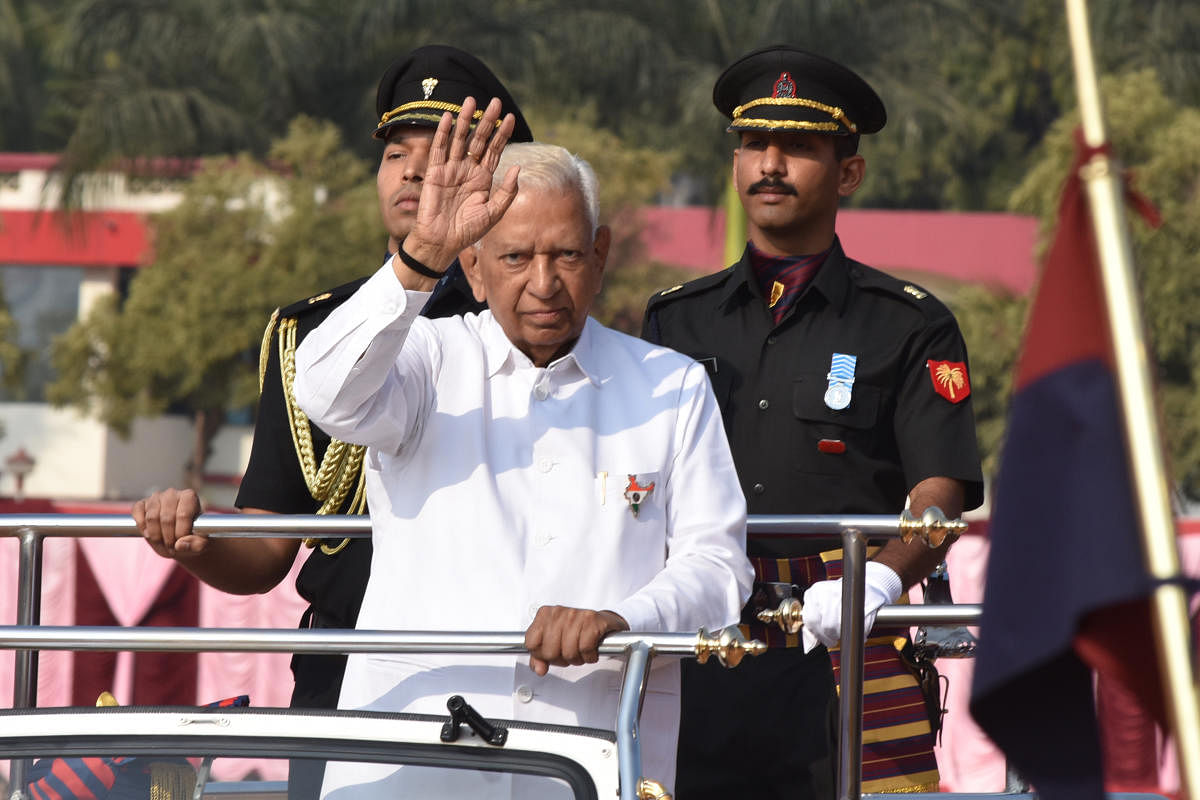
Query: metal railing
point(27, 637)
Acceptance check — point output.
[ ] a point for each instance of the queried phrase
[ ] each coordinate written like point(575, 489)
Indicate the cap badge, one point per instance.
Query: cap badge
point(636, 495)
point(841, 378)
point(950, 379)
point(428, 85)
point(784, 86)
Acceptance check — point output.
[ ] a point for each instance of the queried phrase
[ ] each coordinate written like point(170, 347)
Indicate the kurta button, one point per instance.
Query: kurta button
point(545, 464)
point(759, 488)
point(771, 340)
point(541, 391)
point(524, 694)
point(763, 403)
point(532, 610)
point(542, 539)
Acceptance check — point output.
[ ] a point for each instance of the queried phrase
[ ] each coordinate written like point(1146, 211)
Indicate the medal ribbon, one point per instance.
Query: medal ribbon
point(841, 370)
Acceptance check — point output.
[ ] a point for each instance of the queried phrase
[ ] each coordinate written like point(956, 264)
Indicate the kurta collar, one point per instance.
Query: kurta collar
point(500, 352)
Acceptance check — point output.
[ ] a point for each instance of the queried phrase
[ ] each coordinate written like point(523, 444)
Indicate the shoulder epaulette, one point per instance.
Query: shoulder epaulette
point(324, 300)
point(689, 289)
point(911, 293)
point(264, 350)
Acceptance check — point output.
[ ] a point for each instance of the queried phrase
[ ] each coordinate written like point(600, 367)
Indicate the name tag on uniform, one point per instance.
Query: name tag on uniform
point(841, 379)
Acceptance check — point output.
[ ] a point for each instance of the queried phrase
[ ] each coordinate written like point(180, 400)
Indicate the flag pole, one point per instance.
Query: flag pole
point(1142, 436)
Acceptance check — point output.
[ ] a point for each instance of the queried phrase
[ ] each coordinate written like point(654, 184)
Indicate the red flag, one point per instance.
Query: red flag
point(1066, 579)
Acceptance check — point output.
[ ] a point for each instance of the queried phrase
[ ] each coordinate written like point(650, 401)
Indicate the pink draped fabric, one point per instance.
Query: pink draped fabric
point(967, 760)
point(131, 577)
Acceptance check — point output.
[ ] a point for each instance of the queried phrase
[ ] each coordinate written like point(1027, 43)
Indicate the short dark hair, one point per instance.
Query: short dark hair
point(845, 146)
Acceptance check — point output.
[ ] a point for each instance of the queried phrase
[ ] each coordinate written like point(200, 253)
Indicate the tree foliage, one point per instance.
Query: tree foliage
point(971, 85)
point(992, 323)
point(976, 91)
point(12, 356)
point(244, 240)
point(1159, 141)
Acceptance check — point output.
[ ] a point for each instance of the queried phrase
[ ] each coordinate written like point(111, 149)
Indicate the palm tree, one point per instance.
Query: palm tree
point(145, 78)
point(25, 28)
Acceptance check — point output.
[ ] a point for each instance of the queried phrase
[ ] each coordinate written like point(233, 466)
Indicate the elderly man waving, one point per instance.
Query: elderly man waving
point(527, 468)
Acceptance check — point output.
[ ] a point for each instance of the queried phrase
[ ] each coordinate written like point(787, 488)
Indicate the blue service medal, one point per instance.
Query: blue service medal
point(841, 378)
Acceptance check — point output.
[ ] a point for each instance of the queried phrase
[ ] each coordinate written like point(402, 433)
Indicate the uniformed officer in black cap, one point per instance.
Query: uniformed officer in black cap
point(844, 391)
point(294, 467)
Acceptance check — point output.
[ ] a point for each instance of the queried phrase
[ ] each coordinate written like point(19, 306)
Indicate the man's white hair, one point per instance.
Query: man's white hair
point(548, 166)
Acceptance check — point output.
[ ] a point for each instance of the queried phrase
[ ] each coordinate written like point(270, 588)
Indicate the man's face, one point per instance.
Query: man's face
point(539, 269)
point(790, 183)
point(398, 182)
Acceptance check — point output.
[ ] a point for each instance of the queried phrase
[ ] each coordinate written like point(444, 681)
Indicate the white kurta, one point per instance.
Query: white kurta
point(496, 487)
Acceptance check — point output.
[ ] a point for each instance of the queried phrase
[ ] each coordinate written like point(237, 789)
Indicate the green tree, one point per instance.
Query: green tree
point(1159, 141)
point(244, 240)
point(138, 79)
point(26, 28)
point(992, 324)
point(12, 356)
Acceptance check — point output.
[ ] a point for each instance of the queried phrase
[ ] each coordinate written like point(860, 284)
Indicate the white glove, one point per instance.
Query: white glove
point(823, 605)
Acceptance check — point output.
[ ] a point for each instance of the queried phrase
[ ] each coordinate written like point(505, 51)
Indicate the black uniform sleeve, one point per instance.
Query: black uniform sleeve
point(273, 480)
point(651, 331)
point(936, 435)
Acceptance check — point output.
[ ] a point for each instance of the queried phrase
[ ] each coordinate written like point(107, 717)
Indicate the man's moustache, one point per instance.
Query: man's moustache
point(771, 186)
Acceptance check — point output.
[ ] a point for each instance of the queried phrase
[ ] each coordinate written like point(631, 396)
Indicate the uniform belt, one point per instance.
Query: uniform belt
point(776, 579)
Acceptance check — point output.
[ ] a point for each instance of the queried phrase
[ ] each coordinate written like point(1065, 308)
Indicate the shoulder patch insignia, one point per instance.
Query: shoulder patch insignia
point(950, 379)
point(318, 298)
point(915, 292)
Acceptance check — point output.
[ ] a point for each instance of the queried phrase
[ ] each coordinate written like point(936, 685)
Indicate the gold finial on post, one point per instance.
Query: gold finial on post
point(789, 616)
point(932, 527)
point(729, 646)
point(651, 790)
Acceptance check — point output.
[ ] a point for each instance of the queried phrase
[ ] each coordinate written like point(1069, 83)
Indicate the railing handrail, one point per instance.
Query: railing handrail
point(235, 525)
point(854, 531)
point(351, 640)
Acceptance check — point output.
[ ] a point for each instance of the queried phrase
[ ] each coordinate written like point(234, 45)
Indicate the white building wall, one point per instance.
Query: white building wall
point(68, 450)
point(80, 459)
point(37, 189)
point(97, 282)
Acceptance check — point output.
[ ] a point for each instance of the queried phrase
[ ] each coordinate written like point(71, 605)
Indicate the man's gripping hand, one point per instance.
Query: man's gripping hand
point(560, 636)
point(823, 605)
point(165, 521)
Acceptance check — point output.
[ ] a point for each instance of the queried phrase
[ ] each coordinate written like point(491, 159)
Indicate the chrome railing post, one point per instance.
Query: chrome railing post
point(854, 566)
point(29, 612)
point(633, 691)
point(25, 664)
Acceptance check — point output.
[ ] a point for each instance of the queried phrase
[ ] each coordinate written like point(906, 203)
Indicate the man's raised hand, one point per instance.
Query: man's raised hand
point(458, 204)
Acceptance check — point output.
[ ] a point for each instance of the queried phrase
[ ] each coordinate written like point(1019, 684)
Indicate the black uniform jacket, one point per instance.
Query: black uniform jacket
point(794, 453)
point(274, 481)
